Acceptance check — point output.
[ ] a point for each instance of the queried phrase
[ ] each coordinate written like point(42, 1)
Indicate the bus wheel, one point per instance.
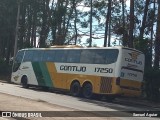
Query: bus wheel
point(75, 89)
point(24, 82)
point(87, 90)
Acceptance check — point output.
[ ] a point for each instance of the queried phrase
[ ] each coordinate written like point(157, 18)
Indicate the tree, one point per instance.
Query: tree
point(8, 13)
point(157, 40)
point(45, 23)
point(108, 17)
point(124, 29)
point(144, 19)
point(131, 23)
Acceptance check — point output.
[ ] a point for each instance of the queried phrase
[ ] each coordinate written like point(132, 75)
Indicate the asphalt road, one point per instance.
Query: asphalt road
point(79, 104)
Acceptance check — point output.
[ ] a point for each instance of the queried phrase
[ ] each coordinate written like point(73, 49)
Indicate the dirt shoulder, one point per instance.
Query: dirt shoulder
point(14, 103)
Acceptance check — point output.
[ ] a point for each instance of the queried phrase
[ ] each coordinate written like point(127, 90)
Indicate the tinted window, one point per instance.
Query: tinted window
point(37, 55)
point(60, 56)
point(111, 56)
point(73, 56)
point(18, 60)
point(87, 56)
point(28, 55)
point(19, 56)
point(99, 56)
point(49, 55)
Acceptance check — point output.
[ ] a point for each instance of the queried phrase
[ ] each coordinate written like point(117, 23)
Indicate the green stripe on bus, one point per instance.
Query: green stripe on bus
point(46, 75)
point(38, 73)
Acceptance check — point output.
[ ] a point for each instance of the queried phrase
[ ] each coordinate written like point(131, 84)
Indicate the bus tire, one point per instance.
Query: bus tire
point(87, 90)
point(75, 89)
point(24, 82)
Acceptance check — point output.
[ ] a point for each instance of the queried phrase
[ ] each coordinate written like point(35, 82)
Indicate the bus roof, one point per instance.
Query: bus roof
point(80, 47)
point(66, 46)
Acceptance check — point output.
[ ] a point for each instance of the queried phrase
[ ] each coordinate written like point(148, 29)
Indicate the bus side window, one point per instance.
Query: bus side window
point(37, 56)
point(28, 56)
point(99, 57)
point(87, 56)
point(18, 60)
point(73, 56)
point(61, 56)
point(49, 55)
point(111, 56)
point(19, 57)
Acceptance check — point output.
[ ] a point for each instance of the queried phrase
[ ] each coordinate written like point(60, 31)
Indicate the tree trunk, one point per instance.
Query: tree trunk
point(53, 22)
point(107, 22)
point(59, 17)
point(29, 18)
point(144, 20)
point(125, 34)
point(33, 36)
point(45, 27)
point(152, 34)
point(75, 25)
point(131, 23)
point(22, 26)
point(157, 41)
point(90, 38)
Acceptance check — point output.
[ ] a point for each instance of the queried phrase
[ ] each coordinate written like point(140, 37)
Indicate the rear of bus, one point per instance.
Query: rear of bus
point(131, 72)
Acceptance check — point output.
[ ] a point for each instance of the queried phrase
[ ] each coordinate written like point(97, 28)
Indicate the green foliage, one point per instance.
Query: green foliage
point(151, 76)
point(145, 46)
point(152, 84)
point(8, 11)
point(5, 69)
point(142, 44)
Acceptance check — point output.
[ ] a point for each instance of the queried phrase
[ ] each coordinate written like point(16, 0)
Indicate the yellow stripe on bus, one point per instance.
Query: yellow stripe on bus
point(52, 71)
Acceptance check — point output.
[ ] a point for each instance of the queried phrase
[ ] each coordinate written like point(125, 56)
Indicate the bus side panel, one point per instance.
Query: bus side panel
point(65, 73)
point(94, 80)
point(57, 79)
point(25, 69)
point(42, 74)
point(64, 80)
point(15, 77)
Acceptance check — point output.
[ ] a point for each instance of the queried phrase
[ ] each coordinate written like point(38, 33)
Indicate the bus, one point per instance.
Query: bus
point(108, 71)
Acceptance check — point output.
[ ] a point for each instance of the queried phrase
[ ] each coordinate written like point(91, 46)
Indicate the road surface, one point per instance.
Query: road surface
point(74, 103)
